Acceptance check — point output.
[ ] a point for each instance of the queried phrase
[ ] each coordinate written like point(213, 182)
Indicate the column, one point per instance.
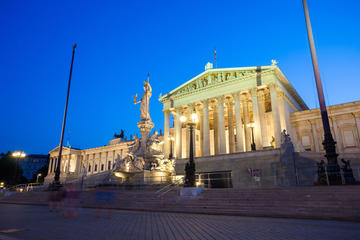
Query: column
point(50, 165)
point(178, 133)
point(216, 130)
point(244, 101)
point(256, 119)
point(357, 122)
point(199, 112)
point(198, 142)
point(339, 143)
point(287, 117)
point(68, 164)
point(113, 158)
point(238, 124)
point(187, 133)
point(221, 124)
point(275, 114)
point(263, 126)
point(93, 163)
point(315, 136)
point(206, 129)
point(166, 133)
point(230, 110)
point(55, 164)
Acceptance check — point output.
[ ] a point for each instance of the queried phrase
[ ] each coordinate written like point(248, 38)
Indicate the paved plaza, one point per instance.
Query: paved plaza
point(37, 222)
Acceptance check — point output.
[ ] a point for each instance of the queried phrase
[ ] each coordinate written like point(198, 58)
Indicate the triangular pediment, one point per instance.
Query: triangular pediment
point(58, 147)
point(215, 77)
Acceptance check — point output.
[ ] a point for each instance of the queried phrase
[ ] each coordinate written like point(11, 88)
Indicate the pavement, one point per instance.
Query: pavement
point(37, 222)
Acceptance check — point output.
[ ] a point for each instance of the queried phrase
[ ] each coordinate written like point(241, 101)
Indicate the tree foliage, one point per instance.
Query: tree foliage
point(9, 168)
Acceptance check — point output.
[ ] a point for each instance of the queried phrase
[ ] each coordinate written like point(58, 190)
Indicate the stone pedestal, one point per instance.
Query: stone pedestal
point(145, 127)
point(145, 177)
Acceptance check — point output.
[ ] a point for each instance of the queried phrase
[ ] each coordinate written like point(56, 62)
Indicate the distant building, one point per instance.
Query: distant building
point(32, 163)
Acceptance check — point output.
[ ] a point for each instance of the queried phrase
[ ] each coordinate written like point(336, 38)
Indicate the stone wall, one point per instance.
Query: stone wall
point(239, 165)
point(273, 168)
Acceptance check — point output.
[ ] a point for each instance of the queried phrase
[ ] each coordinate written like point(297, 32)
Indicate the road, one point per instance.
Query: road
point(37, 222)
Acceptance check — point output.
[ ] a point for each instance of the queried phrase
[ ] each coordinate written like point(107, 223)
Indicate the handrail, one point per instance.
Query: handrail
point(168, 187)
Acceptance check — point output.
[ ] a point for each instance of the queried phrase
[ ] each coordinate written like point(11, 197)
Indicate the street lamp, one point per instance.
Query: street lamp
point(38, 176)
point(190, 166)
point(252, 125)
point(171, 139)
point(333, 168)
point(17, 155)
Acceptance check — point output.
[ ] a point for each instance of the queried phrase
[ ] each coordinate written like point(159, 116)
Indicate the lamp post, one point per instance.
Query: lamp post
point(171, 139)
point(190, 166)
point(333, 169)
point(253, 145)
point(17, 155)
point(37, 178)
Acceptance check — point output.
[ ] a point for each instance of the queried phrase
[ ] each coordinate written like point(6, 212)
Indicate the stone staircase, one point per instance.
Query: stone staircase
point(320, 202)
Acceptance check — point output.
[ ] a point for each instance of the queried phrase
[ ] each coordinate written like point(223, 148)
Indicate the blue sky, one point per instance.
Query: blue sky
point(119, 42)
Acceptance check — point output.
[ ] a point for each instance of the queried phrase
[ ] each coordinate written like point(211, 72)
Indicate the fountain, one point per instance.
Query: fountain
point(145, 162)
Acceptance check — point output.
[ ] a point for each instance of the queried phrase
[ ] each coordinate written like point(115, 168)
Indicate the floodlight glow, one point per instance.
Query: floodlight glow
point(183, 119)
point(251, 125)
point(194, 118)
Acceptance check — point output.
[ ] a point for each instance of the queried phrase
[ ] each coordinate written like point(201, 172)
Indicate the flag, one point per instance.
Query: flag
point(215, 54)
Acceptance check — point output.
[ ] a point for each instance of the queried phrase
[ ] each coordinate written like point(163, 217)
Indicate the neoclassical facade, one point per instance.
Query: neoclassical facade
point(236, 107)
point(76, 163)
point(308, 133)
point(226, 102)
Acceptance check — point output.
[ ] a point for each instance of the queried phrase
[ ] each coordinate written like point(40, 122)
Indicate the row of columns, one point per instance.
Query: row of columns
point(79, 168)
point(243, 133)
point(65, 164)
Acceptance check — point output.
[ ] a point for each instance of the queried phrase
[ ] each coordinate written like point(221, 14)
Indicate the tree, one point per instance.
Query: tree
point(8, 170)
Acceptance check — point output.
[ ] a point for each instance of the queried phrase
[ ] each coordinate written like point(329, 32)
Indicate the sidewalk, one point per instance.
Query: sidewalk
point(36, 222)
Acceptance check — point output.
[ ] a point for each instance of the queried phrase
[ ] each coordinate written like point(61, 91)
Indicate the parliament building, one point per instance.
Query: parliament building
point(242, 114)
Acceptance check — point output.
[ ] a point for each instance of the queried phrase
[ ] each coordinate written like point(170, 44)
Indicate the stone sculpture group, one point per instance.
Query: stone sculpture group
point(145, 153)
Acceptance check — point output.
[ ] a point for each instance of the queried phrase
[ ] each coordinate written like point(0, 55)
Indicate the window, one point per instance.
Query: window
point(102, 167)
point(95, 168)
point(109, 165)
point(89, 168)
point(349, 139)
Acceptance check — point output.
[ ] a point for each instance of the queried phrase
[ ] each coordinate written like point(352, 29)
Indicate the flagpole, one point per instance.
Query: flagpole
point(57, 171)
point(333, 168)
point(216, 66)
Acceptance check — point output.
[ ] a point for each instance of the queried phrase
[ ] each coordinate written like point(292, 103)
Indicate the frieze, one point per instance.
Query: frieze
point(215, 80)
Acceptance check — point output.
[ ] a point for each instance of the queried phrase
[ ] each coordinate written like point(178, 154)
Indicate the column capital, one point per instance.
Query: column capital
point(213, 103)
point(261, 95)
point(205, 102)
point(272, 86)
point(280, 93)
point(220, 99)
point(229, 101)
point(167, 111)
point(236, 96)
point(253, 91)
point(244, 97)
point(357, 114)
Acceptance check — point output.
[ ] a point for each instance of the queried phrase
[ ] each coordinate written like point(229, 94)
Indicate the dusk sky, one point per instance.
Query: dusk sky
point(119, 42)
